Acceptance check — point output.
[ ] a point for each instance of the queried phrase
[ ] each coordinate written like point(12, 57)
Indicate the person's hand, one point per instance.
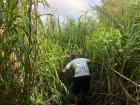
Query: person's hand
point(63, 71)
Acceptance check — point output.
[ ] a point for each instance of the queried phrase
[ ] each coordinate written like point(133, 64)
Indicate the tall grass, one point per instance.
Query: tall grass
point(29, 62)
point(32, 54)
point(114, 50)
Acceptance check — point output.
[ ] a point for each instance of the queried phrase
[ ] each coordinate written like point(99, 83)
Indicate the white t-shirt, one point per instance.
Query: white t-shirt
point(80, 66)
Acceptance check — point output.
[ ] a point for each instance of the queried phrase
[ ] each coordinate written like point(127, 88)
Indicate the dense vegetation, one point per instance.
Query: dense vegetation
point(32, 54)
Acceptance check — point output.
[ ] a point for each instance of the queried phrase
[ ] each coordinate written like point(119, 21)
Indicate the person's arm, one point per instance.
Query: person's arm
point(68, 66)
point(64, 70)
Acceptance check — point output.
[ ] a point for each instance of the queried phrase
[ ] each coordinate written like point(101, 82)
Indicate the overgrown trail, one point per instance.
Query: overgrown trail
point(33, 53)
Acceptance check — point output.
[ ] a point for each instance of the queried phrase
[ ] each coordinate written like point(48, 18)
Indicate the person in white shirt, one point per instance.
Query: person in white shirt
point(81, 81)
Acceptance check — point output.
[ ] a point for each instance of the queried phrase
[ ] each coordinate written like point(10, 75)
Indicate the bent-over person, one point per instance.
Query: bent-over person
point(81, 81)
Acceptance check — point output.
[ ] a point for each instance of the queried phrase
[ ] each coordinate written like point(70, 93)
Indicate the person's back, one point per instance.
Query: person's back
point(80, 66)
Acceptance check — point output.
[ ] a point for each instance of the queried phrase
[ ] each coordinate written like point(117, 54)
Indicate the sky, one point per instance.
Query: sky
point(67, 8)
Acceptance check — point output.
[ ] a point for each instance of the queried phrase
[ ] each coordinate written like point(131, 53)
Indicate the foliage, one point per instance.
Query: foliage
point(33, 54)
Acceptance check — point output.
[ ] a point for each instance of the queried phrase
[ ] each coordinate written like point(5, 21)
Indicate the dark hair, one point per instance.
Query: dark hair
point(73, 56)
